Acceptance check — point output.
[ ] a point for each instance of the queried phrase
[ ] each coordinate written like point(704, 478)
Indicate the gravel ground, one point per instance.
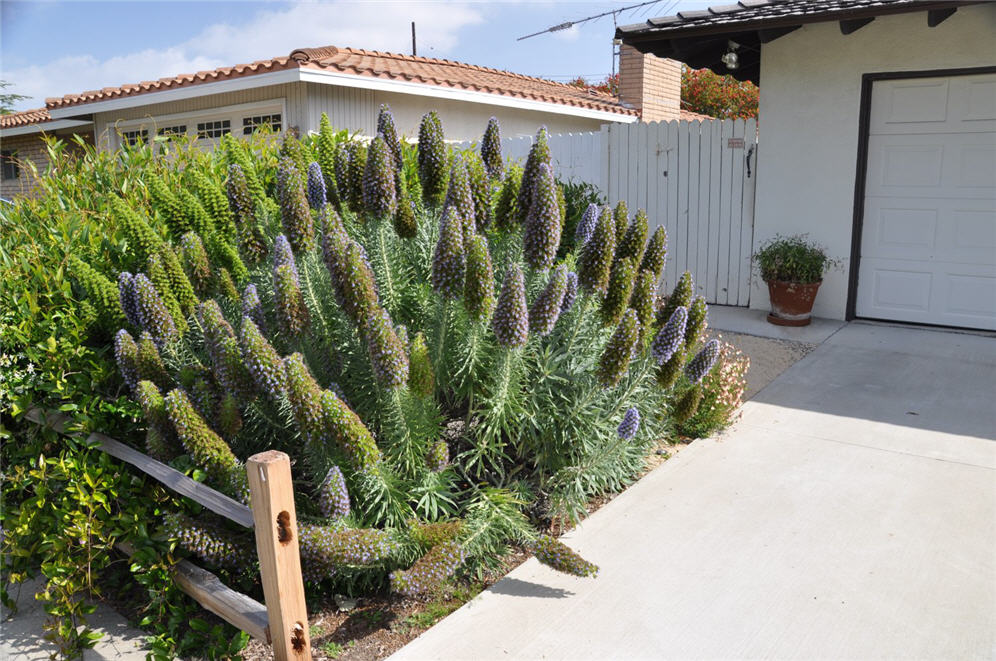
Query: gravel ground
point(768, 357)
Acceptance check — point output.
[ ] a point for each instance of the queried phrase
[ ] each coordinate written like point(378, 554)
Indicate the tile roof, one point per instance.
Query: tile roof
point(734, 15)
point(375, 64)
point(24, 118)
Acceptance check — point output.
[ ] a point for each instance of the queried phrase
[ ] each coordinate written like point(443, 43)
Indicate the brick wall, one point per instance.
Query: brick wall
point(651, 84)
point(28, 148)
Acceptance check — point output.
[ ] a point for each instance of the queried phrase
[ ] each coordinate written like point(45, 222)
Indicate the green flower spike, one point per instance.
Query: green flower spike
point(688, 405)
point(681, 296)
point(379, 195)
point(506, 210)
point(539, 154)
point(167, 205)
point(432, 159)
point(295, 214)
point(634, 241)
point(644, 301)
point(421, 378)
point(621, 217)
point(595, 261)
point(480, 190)
point(491, 149)
point(542, 234)
point(615, 359)
point(545, 310)
point(698, 316)
point(620, 290)
point(387, 353)
point(479, 287)
point(655, 255)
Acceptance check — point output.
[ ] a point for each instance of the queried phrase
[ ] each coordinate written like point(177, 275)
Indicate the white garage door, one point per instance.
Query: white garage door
point(928, 244)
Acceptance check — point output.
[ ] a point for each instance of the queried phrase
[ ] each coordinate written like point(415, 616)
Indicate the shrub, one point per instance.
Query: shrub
point(352, 347)
point(792, 259)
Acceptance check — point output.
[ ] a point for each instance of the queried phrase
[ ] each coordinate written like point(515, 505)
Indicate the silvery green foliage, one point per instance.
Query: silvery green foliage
point(670, 337)
point(432, 159)
point(386, 128)
point(436, 566)
point(459, 198)
point(655, 255)
point(379, 195)
point(539, 154)
point(570, 292)
point(128, 299)
point(387, 354)
point(491, 149)
point(595, 261)
point(511, 319)
point(542, 234)
point(252, 307)
point(317, 197)
point(325, 549)
point(333, 496)
point(698, 316)
point(152, 313)
point(126, 355)
point(630, 424)
point(557, 555)
point(449, 261)
point(586, 226)
point(618, 353)
point(261, 359)
point(546, 308)
point(703, 361)
point(213, 543)
point(479, 288)
point(295, 214)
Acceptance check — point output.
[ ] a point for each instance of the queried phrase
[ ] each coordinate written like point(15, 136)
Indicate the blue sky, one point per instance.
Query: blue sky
point(50, 48)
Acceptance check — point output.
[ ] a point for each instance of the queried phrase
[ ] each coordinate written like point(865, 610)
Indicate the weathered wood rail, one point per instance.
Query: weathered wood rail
point(283, 620)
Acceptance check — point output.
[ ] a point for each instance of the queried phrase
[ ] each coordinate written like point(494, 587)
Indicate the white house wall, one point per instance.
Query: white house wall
point(357, 109)
point(293, 94)
point(810, 97)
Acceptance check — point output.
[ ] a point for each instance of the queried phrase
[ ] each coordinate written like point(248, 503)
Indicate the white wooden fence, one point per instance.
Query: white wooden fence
point(694, 178)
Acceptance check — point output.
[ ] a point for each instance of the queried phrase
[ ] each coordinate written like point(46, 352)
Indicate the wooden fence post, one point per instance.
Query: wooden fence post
point(272, 498)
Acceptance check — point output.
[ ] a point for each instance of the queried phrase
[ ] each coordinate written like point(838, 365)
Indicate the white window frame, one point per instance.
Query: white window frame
point(233, 113)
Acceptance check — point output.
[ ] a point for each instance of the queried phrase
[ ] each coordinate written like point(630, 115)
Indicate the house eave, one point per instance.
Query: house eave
point(43, 127)
point(337, 79)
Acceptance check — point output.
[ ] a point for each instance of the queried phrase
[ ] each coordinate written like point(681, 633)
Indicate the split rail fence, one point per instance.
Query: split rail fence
point(695, 178)
point(283, 620)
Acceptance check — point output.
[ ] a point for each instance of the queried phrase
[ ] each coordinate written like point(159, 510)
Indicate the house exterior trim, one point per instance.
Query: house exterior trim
point(278, 102)
point(189, 92)
point(44, 127)
point(340, 80)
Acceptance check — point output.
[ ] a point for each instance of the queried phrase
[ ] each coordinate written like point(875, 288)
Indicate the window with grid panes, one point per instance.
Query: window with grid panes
point(11, 170)
point(179, 129)
point(250, 124)
point(214, 129)
point(132, 138)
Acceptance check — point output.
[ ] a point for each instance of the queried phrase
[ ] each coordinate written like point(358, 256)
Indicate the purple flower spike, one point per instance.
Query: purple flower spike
point(703, 361)
point(333, 497)
point(316, 187)
point(670, 337)
point(586, 226)
point(630, 424)
point(511, 319)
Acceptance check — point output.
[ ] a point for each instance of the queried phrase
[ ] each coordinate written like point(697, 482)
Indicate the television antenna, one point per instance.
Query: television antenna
point(566, 25)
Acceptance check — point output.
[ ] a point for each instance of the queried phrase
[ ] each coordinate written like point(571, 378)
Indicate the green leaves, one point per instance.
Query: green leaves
point(792, 259)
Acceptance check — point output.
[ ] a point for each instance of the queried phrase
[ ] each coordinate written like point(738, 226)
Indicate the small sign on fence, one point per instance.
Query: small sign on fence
point(735, 143)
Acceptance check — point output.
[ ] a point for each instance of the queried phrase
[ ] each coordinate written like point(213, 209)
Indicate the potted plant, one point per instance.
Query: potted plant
point(793, 268)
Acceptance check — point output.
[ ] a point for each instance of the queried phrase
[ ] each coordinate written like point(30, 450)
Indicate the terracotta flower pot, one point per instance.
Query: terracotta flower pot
point(791, 302)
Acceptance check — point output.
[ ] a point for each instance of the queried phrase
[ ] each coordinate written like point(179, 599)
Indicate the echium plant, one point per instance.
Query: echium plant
point(444, 371)
point(491, 149)
point(389, 133)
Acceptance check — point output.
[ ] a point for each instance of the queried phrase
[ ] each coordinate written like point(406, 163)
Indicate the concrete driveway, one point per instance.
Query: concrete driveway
point(850, 514)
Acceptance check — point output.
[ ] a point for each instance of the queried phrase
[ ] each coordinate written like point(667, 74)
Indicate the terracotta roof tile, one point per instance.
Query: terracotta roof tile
point(376, 64)
point(24, 118)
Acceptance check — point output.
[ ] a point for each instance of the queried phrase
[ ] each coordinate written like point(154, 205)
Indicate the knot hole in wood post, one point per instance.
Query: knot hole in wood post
point(284, 532)
point(297, 637)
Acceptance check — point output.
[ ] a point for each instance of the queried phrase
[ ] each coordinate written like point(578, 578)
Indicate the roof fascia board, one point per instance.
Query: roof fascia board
point(43, 127)
point(473, 96)
point(750, 25)
point(187, 92)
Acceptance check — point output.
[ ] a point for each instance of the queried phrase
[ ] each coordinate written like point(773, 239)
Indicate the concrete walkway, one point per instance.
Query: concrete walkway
point(850, 514)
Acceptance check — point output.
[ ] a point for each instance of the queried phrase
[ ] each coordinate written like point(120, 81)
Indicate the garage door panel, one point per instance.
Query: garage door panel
point(945, 294)
point(934, 105)
point(932, 165)
point(928, 243)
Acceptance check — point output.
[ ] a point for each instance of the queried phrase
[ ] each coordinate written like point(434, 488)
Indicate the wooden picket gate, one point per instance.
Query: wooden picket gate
point(283, 621)
point(697, 180)
point(694, 178)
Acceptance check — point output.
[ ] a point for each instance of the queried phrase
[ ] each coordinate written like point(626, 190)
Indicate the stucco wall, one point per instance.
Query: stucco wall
point(357, 110)
point(810, 93)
